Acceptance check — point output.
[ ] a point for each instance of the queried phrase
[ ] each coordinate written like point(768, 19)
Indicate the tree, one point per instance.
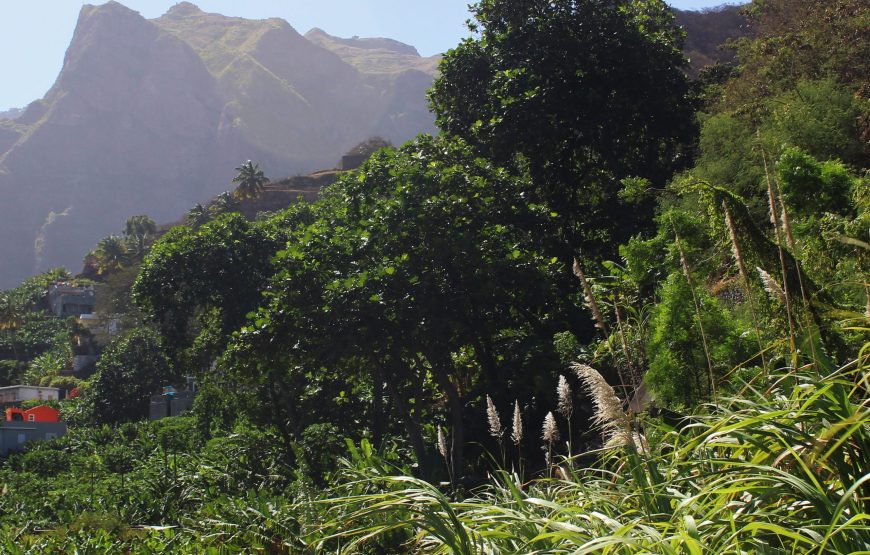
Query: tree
point(795, 40)
point(195, 282)
point(11, 318)
point(138, 231)
point(375, 283)
point(11, 312)
point(251, 181)
point(584, 93)
point(225, 203)
point(678, 369)
point(110, 255)
point(132, 368)
point(198, 215)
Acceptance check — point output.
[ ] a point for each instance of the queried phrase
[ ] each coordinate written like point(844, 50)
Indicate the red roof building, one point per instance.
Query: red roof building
point(42, 413)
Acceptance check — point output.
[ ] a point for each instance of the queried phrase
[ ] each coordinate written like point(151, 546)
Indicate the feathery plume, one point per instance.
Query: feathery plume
point(771, 286)
point(442, 443)
point(590, 297)
point(608, 409)
point(517, 431)
point(551, 431)
point(566, 404)
point(495, 429)
point(735, 246)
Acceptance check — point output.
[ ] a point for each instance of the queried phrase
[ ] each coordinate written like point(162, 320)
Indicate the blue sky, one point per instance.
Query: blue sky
point(34, 34)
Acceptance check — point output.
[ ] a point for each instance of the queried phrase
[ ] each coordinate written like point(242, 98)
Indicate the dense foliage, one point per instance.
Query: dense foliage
point(384, 370)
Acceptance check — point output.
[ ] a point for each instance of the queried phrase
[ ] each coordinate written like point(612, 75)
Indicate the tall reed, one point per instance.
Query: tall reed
point(744, 275)
point(774, 221)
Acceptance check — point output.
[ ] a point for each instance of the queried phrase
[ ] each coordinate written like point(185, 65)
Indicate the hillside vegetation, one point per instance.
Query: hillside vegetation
point(632, 322)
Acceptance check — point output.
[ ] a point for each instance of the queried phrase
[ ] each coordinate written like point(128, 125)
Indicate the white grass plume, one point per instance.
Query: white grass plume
point(550, 431)
point(614, 424)
point(566, 404)
point(589, 296)
point(771, 286)
point(495, 429)
point(517, 428)
point(442, 443)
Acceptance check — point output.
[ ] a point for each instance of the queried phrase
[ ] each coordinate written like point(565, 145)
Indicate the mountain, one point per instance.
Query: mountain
point(11, 113)
point(151, 116)
point(707, 30)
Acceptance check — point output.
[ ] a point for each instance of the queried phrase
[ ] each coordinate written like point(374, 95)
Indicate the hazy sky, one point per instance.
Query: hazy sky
point(34, 34)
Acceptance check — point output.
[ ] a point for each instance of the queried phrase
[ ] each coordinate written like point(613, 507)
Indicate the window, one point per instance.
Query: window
point(31, 418)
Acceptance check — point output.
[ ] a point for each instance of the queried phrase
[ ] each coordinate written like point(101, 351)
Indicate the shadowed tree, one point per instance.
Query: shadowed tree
point(138, 230)
point(225, 203)
point(580, 93)
point(110, 254)
point(198, 215)
point(11, 318)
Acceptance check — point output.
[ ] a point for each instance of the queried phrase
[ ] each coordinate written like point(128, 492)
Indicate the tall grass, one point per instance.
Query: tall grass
point(782, 468)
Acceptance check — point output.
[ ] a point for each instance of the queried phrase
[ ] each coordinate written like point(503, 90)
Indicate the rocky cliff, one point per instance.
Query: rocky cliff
point(151, 116)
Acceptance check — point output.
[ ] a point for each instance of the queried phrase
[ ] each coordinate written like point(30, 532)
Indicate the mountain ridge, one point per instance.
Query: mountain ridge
point(151, 116)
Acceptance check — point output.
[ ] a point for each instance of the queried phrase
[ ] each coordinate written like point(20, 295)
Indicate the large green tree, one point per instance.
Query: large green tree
point(421, 270)
point(132, 368)
point(584, 93)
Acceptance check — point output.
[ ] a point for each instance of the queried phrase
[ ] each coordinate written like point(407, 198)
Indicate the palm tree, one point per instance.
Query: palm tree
point(251, 181)
point(11, 312)
point(137, 231)
point(111, 254)
point(198, 215)
point(11, 318)
point(225, 203)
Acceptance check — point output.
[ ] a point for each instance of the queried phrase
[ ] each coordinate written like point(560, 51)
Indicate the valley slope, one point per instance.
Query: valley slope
point(151, 116)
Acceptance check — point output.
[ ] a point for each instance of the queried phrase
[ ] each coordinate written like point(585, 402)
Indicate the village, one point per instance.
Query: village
point(32, 412)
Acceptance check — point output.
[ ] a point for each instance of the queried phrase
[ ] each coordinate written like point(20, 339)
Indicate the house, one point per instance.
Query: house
point(18, 426)
point(65, 299)
point(41, 413)
point(18, 393)
point(101, 327)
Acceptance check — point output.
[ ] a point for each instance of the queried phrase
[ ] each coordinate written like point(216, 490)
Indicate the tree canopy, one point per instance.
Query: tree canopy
point(587, 93)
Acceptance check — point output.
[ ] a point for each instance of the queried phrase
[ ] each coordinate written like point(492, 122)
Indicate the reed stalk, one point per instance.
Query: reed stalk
point(774, 220)
point(792, 244)
point(591, 303)
point(517, 435)
point(495, 428)
point(565, 406)
point(550, 435)
point(744, 275)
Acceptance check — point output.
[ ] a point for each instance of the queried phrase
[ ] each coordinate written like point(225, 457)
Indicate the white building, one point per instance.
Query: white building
point(19, 393)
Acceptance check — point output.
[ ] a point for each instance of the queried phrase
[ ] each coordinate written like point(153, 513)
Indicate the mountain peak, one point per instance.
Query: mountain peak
point(184, 9)
point(111, 8)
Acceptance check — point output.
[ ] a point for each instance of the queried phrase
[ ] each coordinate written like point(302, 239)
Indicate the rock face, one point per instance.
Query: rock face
point(151, 116)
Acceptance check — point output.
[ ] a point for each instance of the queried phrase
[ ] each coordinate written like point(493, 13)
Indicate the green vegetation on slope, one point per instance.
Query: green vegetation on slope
point(554, 328)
